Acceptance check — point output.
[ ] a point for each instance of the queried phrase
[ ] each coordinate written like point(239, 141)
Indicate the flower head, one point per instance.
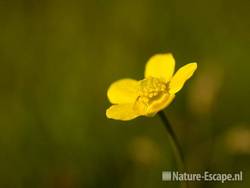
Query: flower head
point(132, 98)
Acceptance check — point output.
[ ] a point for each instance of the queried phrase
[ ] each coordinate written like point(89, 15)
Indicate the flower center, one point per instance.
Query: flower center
point(150, 89)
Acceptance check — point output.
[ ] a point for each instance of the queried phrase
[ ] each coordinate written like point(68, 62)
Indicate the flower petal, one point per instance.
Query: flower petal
point(160, 104)
point(160, 66)
point(122, 112)
point(181, 76)
point(123, 91)
point(140, 107)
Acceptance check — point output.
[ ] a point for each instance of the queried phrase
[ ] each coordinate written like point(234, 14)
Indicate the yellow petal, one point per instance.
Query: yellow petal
point(123, 91)
point(122, 112)
point(140, 107)
point(160, 66)
point(160, 104)
point(181, 76)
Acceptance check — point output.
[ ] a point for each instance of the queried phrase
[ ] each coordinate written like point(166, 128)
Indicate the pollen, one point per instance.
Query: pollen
point(150, 88)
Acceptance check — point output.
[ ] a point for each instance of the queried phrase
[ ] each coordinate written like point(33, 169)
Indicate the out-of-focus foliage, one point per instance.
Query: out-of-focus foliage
point(58, 58)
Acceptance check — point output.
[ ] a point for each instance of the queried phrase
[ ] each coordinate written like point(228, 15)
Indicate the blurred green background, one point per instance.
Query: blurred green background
point(59, 57)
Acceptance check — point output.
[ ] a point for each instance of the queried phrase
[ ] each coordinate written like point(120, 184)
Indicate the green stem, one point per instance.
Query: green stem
point(175, 144)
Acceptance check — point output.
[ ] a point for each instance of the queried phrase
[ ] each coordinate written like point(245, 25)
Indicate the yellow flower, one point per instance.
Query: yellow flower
point(132, 98)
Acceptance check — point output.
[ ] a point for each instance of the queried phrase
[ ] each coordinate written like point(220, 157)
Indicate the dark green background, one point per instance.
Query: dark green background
point(59, 57)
